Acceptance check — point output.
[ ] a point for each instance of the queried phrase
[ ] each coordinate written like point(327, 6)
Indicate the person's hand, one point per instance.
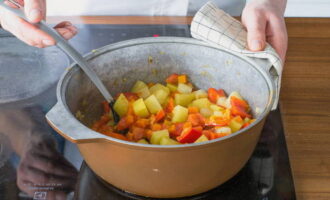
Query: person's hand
point(264, 21)
point(35, 10)
point(43, 169)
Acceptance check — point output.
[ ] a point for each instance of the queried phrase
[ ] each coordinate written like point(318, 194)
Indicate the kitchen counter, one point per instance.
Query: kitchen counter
point(305, 96)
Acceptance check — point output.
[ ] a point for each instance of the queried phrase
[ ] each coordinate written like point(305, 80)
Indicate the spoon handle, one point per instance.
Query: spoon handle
point(66, 47)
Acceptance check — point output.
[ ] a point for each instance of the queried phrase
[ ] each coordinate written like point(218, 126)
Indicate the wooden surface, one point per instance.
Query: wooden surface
point(305, 97)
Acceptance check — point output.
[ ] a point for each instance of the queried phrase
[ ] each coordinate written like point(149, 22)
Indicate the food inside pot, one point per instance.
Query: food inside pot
point(175, 113)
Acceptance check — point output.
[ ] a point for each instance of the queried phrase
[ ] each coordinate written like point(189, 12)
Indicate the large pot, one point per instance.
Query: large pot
point(161, 171)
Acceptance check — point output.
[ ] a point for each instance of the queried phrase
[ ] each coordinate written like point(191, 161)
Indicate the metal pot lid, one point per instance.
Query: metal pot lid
point(25, 71)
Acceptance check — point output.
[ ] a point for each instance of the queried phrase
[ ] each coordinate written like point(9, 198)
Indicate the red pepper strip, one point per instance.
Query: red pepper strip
point(170, 105)
point(221, 93)
point(213, 95)
point(189, 135)
point(239, 107)
point(173, 79)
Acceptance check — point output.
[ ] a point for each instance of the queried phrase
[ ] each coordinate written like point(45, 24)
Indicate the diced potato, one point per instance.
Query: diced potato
point(172, 87)
point(168, 141)
point(201, 103)
point(121, 105)
point(222, 101)
point(152, 104)
point(200, 94)
point(158, 86)
point(246, 120)
point(216, 108)
point(184, 99)
point(236, 123)
point(184, 88)
point(224, 129)
point(141, 89)
point(206, 112)
point(218, 113)
point(202, 138)
point(227, 113)
point(140, 108)
point(161, 96)
point(180, 114)
point(158, 135)
point(143, 141)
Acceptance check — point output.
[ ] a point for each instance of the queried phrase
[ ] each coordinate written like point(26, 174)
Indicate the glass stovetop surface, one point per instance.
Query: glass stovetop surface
point(37, 163)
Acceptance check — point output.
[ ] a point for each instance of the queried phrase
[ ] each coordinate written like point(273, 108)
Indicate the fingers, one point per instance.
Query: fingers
point(255, 24)
point(35, 10)
point(66, 30)
point(277, 36)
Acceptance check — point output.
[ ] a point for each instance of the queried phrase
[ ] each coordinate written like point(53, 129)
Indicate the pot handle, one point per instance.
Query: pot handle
point(70, 128)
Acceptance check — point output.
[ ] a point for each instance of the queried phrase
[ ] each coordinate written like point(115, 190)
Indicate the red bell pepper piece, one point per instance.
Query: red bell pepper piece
point(239, 107)
point(189, 135)
point(196, 119)
point(125, 122)
point(214, 94)
point(170, 105)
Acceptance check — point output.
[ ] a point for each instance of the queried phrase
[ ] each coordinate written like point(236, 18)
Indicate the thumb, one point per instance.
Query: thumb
point(35, 10)
point(256, 33)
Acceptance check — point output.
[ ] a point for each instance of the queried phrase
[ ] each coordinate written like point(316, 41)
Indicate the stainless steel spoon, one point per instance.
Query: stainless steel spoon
point(70, 51)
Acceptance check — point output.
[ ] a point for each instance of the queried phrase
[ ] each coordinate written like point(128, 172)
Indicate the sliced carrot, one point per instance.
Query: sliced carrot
point(173, 79)
point(192, 110)
point(182, 78)
point(160, 115)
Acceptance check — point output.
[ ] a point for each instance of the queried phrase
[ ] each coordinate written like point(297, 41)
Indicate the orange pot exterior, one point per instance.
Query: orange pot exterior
point(170, 172)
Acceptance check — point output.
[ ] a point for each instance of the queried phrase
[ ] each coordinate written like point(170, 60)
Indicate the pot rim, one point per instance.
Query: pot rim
point(65, 78)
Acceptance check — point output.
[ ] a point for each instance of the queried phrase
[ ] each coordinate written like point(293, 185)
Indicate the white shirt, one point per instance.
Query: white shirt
point(137, 7)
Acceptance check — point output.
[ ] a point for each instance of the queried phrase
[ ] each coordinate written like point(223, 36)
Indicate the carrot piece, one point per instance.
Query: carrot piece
point(196, 119)
point(160, 115)
point(182, 78)
point(106, 107)
point(192, 110)
point(142, 123)
point(239, 111)
point(156, 127)
point(138, 133)
point(125, 122)
point(234, 101)
point(173, 79)
point(213, 95)
point(170, 105)
point(207, 133)
point(148, 134)
point(245, 125)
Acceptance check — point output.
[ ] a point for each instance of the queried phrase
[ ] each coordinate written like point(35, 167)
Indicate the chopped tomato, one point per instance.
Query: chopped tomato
point(189, 135)
point(182, 78)
point(173, 79)
point(160, 115)
point(106, 106)
point(196, 119)
point(125, 122)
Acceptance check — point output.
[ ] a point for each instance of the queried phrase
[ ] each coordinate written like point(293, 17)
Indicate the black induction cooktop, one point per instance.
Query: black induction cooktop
point(36, 163)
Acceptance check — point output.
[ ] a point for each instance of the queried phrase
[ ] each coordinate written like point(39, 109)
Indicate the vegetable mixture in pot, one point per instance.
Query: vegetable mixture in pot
point(175, 113)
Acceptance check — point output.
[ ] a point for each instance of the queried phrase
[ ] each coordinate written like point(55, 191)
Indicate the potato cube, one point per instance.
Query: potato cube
point(158, 135)
point(152, 104)
point(140, 108)
point(201, 103)
point(200, 94)
point(168, 141)
point(184, 99)
point(180, 114)
point(202, 138)
point(184, 88)
point(172, 87)
point(121, 105)
point(141, 89)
